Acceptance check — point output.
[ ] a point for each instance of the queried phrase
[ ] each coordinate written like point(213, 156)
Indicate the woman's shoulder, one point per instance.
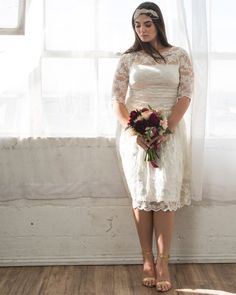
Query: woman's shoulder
point(132, 54)
point(123, 56)
point(180, 51)
point(128, 57)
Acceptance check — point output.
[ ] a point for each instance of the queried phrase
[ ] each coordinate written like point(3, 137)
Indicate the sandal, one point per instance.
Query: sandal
point(159, 284)
point(149, 282)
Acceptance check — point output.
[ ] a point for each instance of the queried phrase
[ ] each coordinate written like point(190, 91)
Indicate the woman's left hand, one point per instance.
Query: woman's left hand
point(162, 139)
point(158, 140)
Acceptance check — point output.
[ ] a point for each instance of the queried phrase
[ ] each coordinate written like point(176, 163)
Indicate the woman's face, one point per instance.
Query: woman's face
point(145, 28)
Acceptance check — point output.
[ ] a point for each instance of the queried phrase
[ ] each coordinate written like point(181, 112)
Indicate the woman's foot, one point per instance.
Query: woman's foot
point(149, 274)
point(162, 273)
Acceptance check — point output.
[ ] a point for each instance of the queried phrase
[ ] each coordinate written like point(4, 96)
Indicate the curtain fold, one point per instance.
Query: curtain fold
point(199, 44)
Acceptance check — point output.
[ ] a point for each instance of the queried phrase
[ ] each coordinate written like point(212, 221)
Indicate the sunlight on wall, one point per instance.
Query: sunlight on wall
point(204, 291)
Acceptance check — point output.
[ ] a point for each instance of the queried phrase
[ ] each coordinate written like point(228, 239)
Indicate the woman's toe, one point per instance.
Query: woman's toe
point(159, 286)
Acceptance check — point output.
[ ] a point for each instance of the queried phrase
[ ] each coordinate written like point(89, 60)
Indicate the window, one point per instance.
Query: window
point(82, 39)
point(221, 113)
point(65, 90)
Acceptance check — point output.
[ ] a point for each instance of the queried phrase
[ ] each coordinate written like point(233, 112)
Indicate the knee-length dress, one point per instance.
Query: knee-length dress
point(139, 80)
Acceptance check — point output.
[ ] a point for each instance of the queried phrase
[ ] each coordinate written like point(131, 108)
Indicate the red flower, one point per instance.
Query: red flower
point(140, 126)
point(134, 115)
point(154, 120)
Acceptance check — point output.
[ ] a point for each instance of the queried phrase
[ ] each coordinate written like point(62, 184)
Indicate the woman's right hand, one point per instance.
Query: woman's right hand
point(146, 144)
point(142, 142)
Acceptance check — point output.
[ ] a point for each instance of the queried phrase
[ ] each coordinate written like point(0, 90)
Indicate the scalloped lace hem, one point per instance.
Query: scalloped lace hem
point(163, 205)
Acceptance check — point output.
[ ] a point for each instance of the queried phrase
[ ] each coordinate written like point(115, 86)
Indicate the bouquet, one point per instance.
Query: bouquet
point(151, 124)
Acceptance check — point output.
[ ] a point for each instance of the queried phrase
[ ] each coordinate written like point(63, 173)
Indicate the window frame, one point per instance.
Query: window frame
point(20, 28)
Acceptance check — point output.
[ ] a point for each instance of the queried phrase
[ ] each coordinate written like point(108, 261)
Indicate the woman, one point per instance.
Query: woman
point(152, 72)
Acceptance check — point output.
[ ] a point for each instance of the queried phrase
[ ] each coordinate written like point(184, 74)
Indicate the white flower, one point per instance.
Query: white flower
point(164, 123)
point(139, 118)
point(146, 114)
point(132, 132)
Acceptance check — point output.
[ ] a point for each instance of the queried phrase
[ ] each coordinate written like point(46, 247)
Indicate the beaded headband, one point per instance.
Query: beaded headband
point(144, 11)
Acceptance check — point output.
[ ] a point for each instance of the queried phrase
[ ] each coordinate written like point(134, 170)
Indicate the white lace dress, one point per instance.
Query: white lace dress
point(140, 81)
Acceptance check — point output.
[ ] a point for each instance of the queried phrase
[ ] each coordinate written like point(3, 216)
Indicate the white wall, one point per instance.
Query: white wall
point(97, 227)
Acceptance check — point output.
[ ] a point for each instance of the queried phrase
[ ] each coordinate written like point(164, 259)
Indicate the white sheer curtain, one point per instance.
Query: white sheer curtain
point(220, 148)
point(200, 58)
point(186, 25)
point(56, 82)
point(20, 95)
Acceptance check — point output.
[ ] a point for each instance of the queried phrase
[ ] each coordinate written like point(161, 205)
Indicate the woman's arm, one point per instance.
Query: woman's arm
point(178, 112)
point(121, 113)
point(119, 90)
point(123, 117)
point(185, 89)
point(176, 115)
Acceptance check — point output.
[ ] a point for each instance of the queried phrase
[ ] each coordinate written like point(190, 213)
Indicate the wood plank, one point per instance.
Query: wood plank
point(122, 283)
point(189, 278)
point(104, 279)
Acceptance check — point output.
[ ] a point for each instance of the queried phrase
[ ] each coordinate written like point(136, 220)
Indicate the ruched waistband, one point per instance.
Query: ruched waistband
point(153, 97)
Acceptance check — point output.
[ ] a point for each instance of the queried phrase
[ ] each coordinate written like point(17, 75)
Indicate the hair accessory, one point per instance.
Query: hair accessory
point(144, 11)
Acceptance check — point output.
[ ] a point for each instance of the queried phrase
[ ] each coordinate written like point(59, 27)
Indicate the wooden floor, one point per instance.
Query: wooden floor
point(118, 280)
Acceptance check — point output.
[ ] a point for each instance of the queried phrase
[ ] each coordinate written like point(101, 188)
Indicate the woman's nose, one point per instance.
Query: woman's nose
point(142, 29)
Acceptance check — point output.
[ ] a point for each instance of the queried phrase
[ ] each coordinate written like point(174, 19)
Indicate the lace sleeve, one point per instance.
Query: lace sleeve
point(121, 80)
point(186, 76)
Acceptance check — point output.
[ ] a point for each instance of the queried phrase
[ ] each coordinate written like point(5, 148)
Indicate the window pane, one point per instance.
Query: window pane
point(107, 119)
point(114, 27)
point(69, 97)
point(14, 114)
point(222, 103)
point(14, 101)
point(223, 25)
point(70, 24)
point(9, 13)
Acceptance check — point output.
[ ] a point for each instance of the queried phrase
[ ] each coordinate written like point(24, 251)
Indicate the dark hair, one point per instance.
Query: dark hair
point(161, 32)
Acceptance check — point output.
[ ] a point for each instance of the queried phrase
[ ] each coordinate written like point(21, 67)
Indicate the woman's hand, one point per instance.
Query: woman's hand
point(162, 139)
point(146, 144)
point(142, 142)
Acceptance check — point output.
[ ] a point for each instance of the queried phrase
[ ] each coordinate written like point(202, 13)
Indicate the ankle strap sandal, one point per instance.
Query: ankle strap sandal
point(148, 281)
point(163, 285)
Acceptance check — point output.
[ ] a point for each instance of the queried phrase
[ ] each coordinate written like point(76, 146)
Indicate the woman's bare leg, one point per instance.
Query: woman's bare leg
point(144, 224)
point(163, 225)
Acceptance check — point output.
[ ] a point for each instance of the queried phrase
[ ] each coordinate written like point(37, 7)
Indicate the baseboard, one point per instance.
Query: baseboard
point(111, 260)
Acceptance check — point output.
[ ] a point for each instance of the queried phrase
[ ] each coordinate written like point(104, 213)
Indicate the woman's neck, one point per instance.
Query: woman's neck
point(156, 45)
